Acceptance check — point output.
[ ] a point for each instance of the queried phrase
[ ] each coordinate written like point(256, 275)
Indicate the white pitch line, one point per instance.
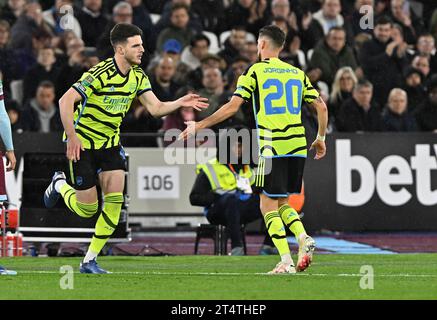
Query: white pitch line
point(402, 275)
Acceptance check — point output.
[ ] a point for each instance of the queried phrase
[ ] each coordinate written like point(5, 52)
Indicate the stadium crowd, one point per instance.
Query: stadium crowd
point(376, 72)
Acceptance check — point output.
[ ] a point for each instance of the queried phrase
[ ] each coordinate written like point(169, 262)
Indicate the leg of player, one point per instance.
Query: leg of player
point(276, 229)
point(290, 217)
point(112, 183)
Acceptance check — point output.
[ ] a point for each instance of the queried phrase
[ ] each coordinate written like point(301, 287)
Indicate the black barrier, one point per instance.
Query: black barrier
point(366, 182)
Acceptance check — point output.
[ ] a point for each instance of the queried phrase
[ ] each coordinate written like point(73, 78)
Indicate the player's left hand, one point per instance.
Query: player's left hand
point(320, 147)
point(10, 160)
point(195, 101)
point(190, 131)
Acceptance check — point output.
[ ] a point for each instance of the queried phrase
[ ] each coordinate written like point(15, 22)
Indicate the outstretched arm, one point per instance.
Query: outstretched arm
point(159, 109)
point(225, 112)
point(6, 132)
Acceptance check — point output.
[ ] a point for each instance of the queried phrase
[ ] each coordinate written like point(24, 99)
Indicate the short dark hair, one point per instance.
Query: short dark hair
point(177, 6)
point(199, 37)
point(336, 28)
point(122, 31)
point(363, 83)
point(383, 20)
point(274, 33)
point(46, 84)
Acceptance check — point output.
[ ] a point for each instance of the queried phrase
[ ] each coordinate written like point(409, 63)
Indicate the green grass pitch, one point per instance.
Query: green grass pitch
point(398, 276)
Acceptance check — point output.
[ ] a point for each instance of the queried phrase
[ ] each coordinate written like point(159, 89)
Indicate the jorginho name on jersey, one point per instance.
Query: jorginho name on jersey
point(277, 90)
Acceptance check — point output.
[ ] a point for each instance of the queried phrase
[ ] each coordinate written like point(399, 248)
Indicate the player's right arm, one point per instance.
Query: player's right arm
point(66, 108)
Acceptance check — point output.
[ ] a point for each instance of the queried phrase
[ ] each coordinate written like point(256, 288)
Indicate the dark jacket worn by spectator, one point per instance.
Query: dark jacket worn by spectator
point(35, 119)
point(329, 61)
point(93, 25)
point(426, 116)
point(383, 71)
point(35, 76)
point(353, 118)
point(398, 122)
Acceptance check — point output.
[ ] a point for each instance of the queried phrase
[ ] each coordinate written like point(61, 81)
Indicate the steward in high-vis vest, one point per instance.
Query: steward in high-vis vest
point(225, 190)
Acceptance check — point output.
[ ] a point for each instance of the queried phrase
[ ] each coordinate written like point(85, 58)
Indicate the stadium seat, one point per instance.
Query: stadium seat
point(219, 235)
point(214, 46)
point(225, 34)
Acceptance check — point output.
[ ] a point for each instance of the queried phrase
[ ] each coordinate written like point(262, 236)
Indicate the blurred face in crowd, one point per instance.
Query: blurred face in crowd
point(212, 79)
point(187, 113)
point(4, 35)
point(426, 44)
point(93, 5)
point(16, 4)
point(74, 45)
point(331, 8)
point(238, 39)
point(123, 15)
point(251, 52)
point(422, 64)
point(397, 101)
point(46, 57)
point(45, 96)
point(180, 18)
point(281, 24)
point(413, 80)
point(346, 82)
point(245, 3)
point(336, 40)
point(383, 32)
point(396, 7)
point(363, 95)
point(91, 61)
point(13, 116)
point(210, 63)
point(238, 67)
point(165, 70)
point(200, 49)
point(33, 11)
point(280, 8)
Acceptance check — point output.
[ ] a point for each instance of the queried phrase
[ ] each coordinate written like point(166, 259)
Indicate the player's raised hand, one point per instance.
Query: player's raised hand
point(194, 100)
point(74, 146)
point(190, 131)
point(320, 148)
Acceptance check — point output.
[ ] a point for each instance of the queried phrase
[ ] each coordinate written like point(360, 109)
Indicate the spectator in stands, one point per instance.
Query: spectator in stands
point(162, 83)
point(402, 14)
point(322, 21)
point(358, 113)
point(209, 61)
point(8, 62)
point(237, 68)
point(234, 45)
point(292, 53)
point(45, 69)
point(41, 114)
point(281, 8)
point(342, 87)
point(14, 112)
point(330, 55)
point(251, 52)
point(426, 114)
point(213, 88)
point(210, 13)
point(121, 13)
point(426, 46)
point(141, 18)
point(12, 10)
point(414, 88)
point(179, 28)
point(194, 23)
point(421, 63)
point(198, 49)
point(250, 14)
point(381, 61)
point(29, 23)
point(228, 194)
point(395, 116)
point(53, 17)
point(173, 49)
point(92, 21)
